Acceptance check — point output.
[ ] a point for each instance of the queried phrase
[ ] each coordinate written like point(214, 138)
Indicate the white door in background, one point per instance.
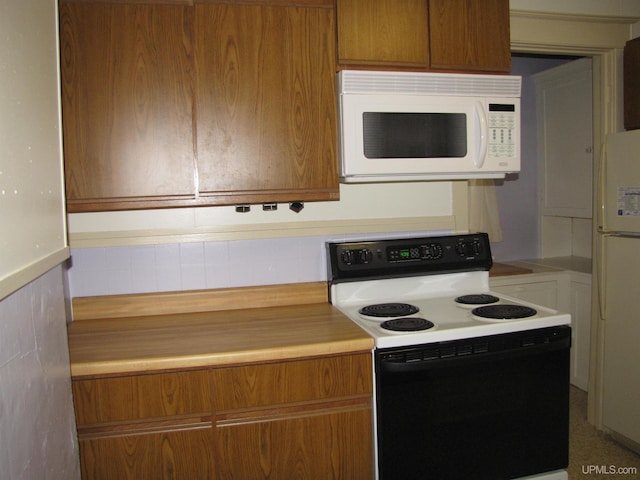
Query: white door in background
point(565, 158)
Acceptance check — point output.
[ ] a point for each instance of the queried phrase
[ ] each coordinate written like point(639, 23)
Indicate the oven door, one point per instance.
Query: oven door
point(483, 408)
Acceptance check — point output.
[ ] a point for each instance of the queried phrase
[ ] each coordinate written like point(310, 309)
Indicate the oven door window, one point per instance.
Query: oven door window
point(414, 135)
point(491, 418)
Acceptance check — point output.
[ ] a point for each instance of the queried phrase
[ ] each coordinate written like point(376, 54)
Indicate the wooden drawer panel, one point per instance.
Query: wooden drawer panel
point(142, 397)
point(290, 382)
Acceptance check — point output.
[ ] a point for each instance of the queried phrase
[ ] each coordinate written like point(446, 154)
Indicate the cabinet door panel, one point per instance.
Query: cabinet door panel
point(383, 32)
point(334, 445)
point(266, 114)
point(180, 455)
point(468, 35)
point(127, 103)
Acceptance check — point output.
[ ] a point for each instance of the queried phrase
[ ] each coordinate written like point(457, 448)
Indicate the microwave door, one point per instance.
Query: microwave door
point(414, 135)
point(408, 135)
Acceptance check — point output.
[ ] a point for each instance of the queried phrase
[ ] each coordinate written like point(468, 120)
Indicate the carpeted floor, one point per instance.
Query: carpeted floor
point(592, 454)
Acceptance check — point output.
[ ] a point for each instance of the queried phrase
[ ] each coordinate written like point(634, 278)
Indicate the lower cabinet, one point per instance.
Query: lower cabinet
point(133, 456)
point(145, 426)
point(566, 291)
point(299, 419)
point(310, 445)
point(307, 419)
point(580, 297)
point(542, 289)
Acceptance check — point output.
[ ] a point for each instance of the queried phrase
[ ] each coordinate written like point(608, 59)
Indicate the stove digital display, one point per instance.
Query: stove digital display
point(414, 252)
point(396, 254)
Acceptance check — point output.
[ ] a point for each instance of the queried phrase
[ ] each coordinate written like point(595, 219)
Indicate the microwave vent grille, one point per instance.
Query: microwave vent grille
point(416, 83)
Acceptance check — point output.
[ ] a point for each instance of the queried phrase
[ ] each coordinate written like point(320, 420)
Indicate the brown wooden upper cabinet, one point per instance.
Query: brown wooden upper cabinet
point(127, 105)
point(178, 103)
point(391, 33)
point(442, 35)
point(265, 97)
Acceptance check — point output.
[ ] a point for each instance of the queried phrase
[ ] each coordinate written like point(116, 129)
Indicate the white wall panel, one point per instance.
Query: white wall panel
point(32, 226)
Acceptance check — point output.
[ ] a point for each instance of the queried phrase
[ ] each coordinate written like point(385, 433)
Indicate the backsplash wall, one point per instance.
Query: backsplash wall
point(204, 265)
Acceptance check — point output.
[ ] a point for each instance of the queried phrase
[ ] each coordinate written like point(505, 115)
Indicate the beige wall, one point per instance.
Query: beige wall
point(32, 231)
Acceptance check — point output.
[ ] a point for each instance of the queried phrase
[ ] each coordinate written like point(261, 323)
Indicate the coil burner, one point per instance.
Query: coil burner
point(412, 324)
point(386, 310)
point(477, 299)
point(504, 311)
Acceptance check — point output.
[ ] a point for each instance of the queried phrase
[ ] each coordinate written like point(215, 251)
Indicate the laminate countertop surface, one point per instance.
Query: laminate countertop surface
point(146, 343)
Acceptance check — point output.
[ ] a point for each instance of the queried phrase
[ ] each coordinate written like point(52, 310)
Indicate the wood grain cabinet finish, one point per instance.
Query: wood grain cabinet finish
point(305, 419)
point(392, 33)
point(127, 104)
point(442, 35)
point(266, 102)
point(145, 426)
point(470, 35)
point(170, 103)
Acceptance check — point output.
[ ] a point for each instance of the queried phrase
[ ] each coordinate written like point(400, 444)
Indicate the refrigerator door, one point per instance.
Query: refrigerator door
point(621, 292)
point(621, 183)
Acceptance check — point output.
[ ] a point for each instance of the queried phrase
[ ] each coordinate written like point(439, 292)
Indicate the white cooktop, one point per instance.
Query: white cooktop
point(435, 297)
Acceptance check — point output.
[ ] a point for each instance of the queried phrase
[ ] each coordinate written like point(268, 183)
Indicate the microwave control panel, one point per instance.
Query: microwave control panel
point(502, 123)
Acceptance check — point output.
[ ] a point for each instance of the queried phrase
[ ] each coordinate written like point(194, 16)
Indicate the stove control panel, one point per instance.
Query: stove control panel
point(411, 256)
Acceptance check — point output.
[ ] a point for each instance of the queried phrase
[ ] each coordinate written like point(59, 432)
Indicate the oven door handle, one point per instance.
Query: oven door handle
point(412, 363)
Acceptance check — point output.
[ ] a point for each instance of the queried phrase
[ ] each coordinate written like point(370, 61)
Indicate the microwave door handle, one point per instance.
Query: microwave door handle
point(482, 144)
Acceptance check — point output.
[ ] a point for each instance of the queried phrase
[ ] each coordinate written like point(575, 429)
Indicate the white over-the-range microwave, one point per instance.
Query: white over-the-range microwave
point(406, 126)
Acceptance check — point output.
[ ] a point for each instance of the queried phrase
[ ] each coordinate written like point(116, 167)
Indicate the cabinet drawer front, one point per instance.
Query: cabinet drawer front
point(142, 397)
point(290, 382)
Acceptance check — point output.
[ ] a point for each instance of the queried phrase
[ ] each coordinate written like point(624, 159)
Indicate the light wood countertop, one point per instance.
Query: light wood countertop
point(542, 265)
point(108, 346)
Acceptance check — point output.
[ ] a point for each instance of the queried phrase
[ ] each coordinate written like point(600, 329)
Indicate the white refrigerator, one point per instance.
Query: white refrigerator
point(619, 284)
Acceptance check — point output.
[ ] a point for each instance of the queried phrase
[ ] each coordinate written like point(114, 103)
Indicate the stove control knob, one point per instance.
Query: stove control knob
point(347, 257)
point(432, 251)
point(468, 249)
point(364, 256)
point(356, 257)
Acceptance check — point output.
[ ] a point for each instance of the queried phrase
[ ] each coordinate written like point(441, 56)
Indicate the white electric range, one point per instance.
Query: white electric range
point(445, 343)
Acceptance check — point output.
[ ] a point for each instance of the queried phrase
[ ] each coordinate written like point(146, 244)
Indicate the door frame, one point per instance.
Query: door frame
point(602, 39)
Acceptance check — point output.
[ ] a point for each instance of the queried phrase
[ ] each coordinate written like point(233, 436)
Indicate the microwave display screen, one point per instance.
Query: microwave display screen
point(414, 135)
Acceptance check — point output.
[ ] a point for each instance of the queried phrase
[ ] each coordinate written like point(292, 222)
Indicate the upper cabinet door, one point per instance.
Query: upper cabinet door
point(266, 103)
point(447, 35)
point(383, 32)
point(127, 105)
point(470, 35)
